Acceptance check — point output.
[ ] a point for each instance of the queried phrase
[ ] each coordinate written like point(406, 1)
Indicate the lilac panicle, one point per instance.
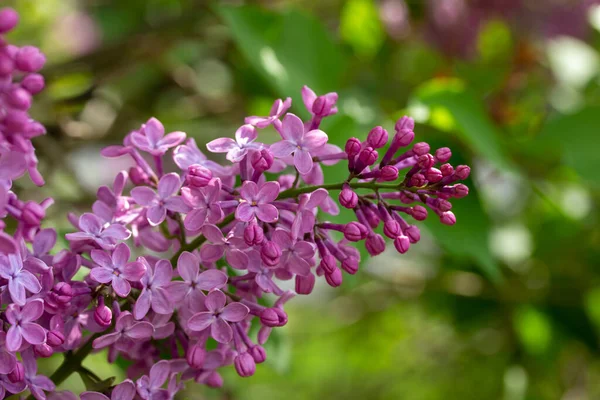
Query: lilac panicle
point(189, 229)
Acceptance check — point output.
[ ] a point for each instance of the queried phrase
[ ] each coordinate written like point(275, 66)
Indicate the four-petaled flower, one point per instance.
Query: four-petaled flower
point(218, 316)
point(256, 202)
point(295, 255)
point(19, 279)
point(204, 203)
point(189, 154)
point(236, 149)
point(154, 294)
point(36, 384)
point(277, 110)
point(127, 331)
point(116, 269)
point(150, 387)
point(157, 204)
point(151, 138)
point(194, 281)
point(296, 141)
point(23, 326)
point(123, 391)
point(95, 230)
point(231, 246)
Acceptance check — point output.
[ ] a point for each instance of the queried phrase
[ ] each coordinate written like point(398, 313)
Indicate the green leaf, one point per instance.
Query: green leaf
point(578, 137)
point(361, 27)
point(456, 109)
point(288, 50)
point(533, 329)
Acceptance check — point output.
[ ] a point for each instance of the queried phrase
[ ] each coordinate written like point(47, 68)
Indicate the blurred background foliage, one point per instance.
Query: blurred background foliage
point(505, 304)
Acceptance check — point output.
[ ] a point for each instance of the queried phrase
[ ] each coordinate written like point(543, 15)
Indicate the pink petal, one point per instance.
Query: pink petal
point(120, 255)
point(303, 161)
point(134, 271)
point(211, 252)
point(212, 279)
point(93, 396)
point(245, 134)
point(201, 321)
point(172, 139)
point(44, 241)
point(144, 196)
point(13, 338)
point(156, 215)
point(282, 238)
point(90, 223)
point(159, 373)
point(33, 333)
point(29, 281)
point(140, 330)
point(161, 303)
point(254, 120)
point(162, 273)
point(102, 258)
point(116, 232)
point(282, 148)
point(304, 249)
point(195, 219)
point(268, 192)
point(244, 212)
point(316, 198)
point(221, 145)
point(142, 305)
point(293, 128)
point(178, 290)
point(176, 204)
point(188, 266)
point(17, 292)
point(213, 234)
point(298, 266)
point(249, 190)
point(124, 391)
point(168, 185)
point(215, 301)
point(154, 130)
point(32, 310)
point(106, 340)
point(121, 286)
point(267, 213)
point(237, 259)
point(314, 139)
point(7, 244)
point(308, 97)
point(221, 331)
point(141, 141)
point(235, 312)
point(101, 275)
point(7, 362)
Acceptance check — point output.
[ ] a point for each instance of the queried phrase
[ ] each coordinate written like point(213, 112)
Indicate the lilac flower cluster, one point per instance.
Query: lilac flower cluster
point(234, 234)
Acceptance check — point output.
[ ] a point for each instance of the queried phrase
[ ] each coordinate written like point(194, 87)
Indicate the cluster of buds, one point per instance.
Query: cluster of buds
point(176, 264)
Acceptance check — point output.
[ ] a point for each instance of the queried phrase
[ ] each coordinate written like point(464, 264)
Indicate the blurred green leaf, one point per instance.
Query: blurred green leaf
point(533, 329)
point(289, 50)
point(578, 137)
point(468, 116)
point(360, 26)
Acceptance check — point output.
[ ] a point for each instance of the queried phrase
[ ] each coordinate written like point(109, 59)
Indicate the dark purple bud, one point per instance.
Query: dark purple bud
point(17, 374)
point(348, 198)
point(443, 155)
point(368, 156)
point(419, 213)
point(375, 244)
point(33, 83)
point(353, 147)
point(33, 213)
point(102, 314)
point(447, 169)
point(377, 138)
point(389, 173)
point(323, 105)
point(19, 98)
point(402, 243)
point(405, 123)
point(461, 190)
point(413, 233)
point(403, 138)
point(328, 263)
point(355, 231)
point(444, 205)
point(138, 176)
point(391, 228)
point(30, 59)
point(244, 365)
point(426, 161)
point(253, 234)
point(448, 218)
point(55, 338)
point(350, 265)
point(261, 160)
point(198, 176)
point(258, 353)
point(195, 356)
point(214, 380)
point(433, 175)
point(462, 172)
point(305, 284)
point(43, 350)
point(270, 253)
point(417, 180)
point(421, 148)
point(9, 18)
point(63, 292)
point(273, 317)
point(334, 279)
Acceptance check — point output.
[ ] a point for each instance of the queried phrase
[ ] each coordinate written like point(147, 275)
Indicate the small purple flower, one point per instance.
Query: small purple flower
point(123, 391)
point(154, 293)
point(256, 202)
point(150, 387)
point(157, 204)
point(295, 254)
point(151, 138)
point(236, 149)
point(263, 274)
point(194, 281)
point(231, 246)
point(305, 216)
point(218, 316)
point(36, 384)
point(204, 204)
point(116, 269)
point(188, 154)
point(19, 279)
point(277, 110)
point(296, 141)
point(127, 332)
point(7, 360)
point(23, 327)
point(93, 229)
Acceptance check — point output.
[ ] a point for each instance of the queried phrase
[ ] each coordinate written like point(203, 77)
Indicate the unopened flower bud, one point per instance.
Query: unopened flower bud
point(198, 176)
point(305, 284)
point(405, 123)
point(102, 314)
point(443, 154)
point(433, 175)
point(366, 157)
point(253, 234)
point(389, 173)
point(348, 198)
point(328, 263)
point(33, 213)
point(447, 169)
point(55, 338)
point(421, 148)
point(17, 374)
point(350, 265)
point(33, 83)
point(448, 218)
point(244, 365)
point(419, 213)
point(19, 98)
point(323, 105)
point(214, 380)
point(462, 172)
point(195, 356)
point(353, 147)
point(375, 244)
point(391, 228)
point(334, 279)
point(417, 180)
point(402, 243)
point(461, 191)
point(262, 160)
point(413, 233)
point(444, 205)
point(377, 137)
point(270, 253)
point(426, 161)
point(43, 350)
point(258, 353)
point(30, 59)
point(9, 18)
point(138, 176)
point(355, 231)
point(273, 317)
